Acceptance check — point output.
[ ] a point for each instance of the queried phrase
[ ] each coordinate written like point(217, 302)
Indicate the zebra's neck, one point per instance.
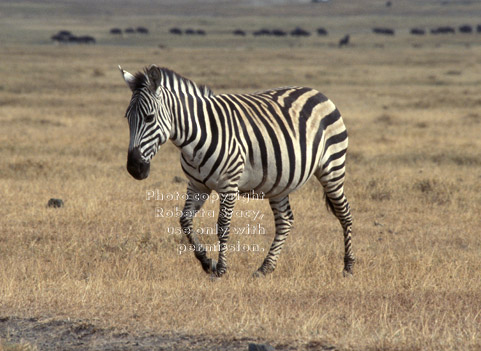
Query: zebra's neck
point(189, 118)
point(181, 97)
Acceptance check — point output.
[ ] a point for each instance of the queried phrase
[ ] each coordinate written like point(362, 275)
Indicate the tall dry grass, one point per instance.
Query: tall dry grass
point(413, 179)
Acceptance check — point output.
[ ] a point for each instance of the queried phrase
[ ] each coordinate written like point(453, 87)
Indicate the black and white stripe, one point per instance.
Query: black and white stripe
point(268, 143)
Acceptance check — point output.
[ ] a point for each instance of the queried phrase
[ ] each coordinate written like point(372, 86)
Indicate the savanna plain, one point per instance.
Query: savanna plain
point(111, 259)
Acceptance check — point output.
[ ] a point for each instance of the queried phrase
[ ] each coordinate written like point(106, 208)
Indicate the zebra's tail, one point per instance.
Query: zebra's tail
point(329, 204)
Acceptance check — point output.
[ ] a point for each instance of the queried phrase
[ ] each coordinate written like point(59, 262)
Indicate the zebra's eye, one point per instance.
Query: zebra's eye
point(149, 118)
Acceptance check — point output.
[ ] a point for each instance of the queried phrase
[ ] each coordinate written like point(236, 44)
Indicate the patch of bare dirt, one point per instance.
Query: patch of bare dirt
point(67, 335)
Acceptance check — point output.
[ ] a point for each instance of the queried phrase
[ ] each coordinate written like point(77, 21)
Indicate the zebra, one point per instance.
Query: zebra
point(267, 143)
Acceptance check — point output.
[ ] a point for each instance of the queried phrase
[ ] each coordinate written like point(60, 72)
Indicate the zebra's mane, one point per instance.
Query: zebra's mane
point(168, 78)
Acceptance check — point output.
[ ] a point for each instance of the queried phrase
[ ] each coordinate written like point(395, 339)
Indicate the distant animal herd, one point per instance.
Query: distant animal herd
point(67, 37)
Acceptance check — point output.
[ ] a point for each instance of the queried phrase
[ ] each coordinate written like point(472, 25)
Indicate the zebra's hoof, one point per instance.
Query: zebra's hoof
point(219, 270)
point(258, 274)
point(214, 278)
point(347, 273)
point(209, 265)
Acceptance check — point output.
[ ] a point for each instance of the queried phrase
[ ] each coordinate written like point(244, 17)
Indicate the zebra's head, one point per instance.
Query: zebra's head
point(149, 119)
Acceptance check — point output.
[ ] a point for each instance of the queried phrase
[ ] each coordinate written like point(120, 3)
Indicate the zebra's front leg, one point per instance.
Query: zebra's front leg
point(284, 219)
point(227, 203)
point(194, 202)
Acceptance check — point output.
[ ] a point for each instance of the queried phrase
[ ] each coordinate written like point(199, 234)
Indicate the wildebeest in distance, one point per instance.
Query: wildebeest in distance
point(321, 31)
point(278, 33)
point(239, 32)
point(478, 28)
point(383, 31)
point(299, 32)
point(176, 31)
point(191, 31)
point(443, 30)
point(116, 31)
point(417, 31)
point(62, 36)
point(142, 30)
point(261, 32)
point(66, 37)
point(466, 29)
point(344, 41)
point(64, 33)
point(129, 30)
point(188, 31)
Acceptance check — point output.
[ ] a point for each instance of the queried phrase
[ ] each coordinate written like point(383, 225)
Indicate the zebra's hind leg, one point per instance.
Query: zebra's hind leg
point(194, 202)
point(337, 202)
point(284, 218)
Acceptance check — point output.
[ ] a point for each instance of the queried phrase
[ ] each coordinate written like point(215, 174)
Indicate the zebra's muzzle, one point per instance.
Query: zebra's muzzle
point(137, 167)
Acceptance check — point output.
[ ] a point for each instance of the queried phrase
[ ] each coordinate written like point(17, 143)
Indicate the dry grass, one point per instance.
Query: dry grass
point(414, 181)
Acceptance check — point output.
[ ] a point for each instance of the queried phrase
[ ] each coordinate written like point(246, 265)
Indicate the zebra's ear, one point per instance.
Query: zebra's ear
point(129, 78)
point(153, 72)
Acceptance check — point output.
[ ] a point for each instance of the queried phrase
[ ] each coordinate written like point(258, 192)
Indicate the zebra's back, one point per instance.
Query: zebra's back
point(284, 135)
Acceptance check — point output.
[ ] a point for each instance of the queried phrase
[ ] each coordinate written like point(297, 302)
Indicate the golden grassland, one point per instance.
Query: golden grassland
point(413, 180)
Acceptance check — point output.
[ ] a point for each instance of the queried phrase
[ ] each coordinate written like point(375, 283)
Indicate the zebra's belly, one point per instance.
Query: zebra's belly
point(269, 183)
point(253, 181)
